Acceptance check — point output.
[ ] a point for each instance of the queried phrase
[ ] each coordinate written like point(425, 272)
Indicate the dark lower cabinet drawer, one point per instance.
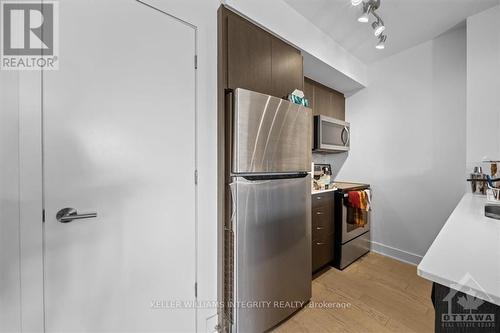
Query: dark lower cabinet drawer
point(322, 199)
point(322, 221)
point(322, 251)
point(319, 232)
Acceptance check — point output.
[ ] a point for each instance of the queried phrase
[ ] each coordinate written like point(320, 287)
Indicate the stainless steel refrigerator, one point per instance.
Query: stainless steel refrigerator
point(268, 232)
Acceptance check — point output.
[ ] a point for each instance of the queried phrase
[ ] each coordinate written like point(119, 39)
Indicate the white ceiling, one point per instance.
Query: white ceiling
point(408, 22)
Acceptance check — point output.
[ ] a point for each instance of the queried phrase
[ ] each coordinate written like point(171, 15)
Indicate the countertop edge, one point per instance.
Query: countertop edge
point(451, 284)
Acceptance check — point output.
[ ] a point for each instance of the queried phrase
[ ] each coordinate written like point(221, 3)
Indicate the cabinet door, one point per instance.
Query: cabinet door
point(322, 101)
point(321, 222)
point(322, 252)
point(325, 101)
point(322, 230)
point(309, 92)
point(287, 71)
point(249, 56)
point(338, 105)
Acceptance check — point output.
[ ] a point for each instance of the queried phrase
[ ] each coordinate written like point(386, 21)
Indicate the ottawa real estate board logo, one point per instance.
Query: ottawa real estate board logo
point(29, 35)
point(468, 307)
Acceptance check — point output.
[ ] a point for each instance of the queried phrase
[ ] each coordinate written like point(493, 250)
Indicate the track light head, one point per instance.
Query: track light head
point(381, 43)
point(366, 13)
point(370, 7)
point(378, 27)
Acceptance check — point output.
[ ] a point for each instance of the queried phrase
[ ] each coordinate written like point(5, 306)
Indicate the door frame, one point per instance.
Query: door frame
point(31, 188)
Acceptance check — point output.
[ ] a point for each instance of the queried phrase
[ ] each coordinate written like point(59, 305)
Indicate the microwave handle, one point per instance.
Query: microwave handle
point(346, 140)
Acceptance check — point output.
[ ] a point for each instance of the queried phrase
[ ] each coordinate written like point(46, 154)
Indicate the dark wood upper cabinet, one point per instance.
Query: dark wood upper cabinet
point(323, 100)
point(253, 59)
point(338, 105)
point(287, 68)
point(309, 92)
point(249, 56)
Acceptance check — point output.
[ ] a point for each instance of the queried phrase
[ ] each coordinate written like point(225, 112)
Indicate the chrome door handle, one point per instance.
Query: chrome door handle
point(66, 215)
point(347, 138)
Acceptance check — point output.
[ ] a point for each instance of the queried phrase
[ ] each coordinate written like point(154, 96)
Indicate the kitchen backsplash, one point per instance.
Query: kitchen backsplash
point(335, 160)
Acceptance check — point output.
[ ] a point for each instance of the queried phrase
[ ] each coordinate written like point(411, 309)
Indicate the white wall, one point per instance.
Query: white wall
point(483, 87)
point(203, 14)
point(408, 142)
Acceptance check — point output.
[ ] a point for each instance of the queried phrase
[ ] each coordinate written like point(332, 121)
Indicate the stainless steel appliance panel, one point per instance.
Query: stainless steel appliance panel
point(354, 249)
point(270, 134)
point(272, 224)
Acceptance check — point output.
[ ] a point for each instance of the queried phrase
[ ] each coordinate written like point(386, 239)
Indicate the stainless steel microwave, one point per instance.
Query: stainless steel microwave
point(331, 135)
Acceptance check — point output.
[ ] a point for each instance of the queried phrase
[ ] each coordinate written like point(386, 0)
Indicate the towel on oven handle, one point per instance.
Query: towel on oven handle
point(360, 199)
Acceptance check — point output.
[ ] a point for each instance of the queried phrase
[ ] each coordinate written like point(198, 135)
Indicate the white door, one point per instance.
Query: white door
point(119, 140)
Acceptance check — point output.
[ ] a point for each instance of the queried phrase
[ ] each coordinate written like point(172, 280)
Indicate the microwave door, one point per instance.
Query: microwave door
point(333, 134)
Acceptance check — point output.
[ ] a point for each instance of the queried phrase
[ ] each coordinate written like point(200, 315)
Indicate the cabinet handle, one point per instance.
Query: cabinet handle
point(319, 213)
point(320, 228)
point(320, 243)
point(319, 198)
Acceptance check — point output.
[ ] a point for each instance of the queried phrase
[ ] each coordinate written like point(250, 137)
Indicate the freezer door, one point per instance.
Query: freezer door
point(269, 134)
point(272, 224)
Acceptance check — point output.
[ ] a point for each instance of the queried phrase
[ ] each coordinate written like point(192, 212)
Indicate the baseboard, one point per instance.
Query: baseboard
point(392, 252)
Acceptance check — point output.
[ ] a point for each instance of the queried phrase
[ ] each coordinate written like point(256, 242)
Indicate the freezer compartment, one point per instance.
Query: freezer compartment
point(269, 134)
point(272, 226)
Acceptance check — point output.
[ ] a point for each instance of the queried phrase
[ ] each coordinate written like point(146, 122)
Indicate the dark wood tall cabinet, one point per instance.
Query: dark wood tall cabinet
point(286, 68)
point(251, 58)
point(256, 60)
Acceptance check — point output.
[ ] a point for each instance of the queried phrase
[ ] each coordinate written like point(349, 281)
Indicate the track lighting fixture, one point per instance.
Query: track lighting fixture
point(370, 7)
point(378, 27)
point(381, 42)
point(365, 17)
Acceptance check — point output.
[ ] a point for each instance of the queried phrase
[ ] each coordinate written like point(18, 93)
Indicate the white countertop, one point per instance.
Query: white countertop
point(466, 253)
point(313, 192)
point(339, 186)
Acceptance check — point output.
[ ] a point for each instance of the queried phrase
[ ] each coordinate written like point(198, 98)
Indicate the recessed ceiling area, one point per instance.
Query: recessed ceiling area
point(408, 22)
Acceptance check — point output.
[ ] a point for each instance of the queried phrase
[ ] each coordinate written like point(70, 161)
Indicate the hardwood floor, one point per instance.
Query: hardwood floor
point(380, 295)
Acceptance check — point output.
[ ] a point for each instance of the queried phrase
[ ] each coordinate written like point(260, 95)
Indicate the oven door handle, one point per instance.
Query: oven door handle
point(346, 195)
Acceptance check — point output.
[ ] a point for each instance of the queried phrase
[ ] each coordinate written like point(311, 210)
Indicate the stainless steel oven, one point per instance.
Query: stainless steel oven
point(331, 135)
point(352, 230)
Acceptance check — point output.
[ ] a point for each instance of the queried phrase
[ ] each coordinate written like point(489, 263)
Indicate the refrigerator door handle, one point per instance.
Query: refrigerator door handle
point(267, 177)
point(232, 188)
point(229, 135)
